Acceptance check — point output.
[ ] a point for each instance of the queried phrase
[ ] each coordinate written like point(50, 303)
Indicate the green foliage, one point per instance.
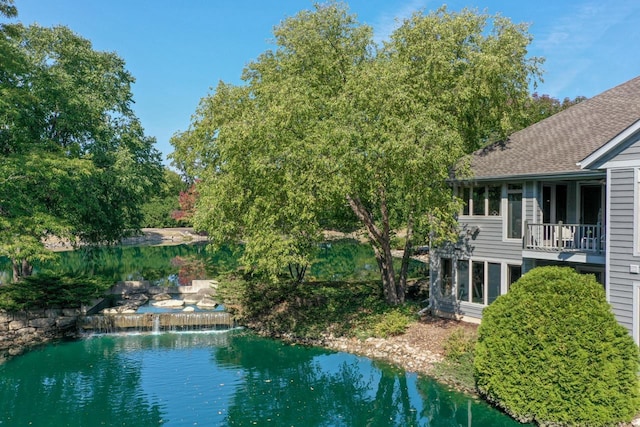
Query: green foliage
point(312, 309)
point(391, 323)
point(330, 122)
point(539, 107)
point(551, 351)
point(157, 210)
point(51, 291)
point(74, 160)
point(457, 366)
point(459, 344)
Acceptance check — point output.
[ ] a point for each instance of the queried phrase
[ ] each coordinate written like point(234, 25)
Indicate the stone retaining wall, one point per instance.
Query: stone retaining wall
point(22, 330)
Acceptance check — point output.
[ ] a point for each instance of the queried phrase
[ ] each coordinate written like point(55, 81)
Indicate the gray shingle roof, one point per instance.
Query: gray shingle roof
point(555, 144)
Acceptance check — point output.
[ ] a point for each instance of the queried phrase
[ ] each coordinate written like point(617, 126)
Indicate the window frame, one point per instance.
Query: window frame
point(469, 285)
point(468, 195)
point(507, 216)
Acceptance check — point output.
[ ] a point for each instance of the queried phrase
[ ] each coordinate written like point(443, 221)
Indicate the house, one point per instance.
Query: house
point(564, 191)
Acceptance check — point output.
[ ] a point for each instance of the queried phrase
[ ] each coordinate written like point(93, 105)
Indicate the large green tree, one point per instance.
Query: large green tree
point(158, 210)
point(330, 120)
point(74, 160)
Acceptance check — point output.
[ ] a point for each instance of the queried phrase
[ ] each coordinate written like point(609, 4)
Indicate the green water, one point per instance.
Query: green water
point(179, 264)
point(220, 379)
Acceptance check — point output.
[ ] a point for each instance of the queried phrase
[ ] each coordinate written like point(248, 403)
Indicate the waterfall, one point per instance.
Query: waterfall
point(156, 322)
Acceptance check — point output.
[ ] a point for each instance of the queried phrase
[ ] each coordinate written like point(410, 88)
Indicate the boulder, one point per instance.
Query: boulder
point(42, 322)
point(191, 299)
point(207, 303)
point(189, 309)
point(162, 297)
point(170, 303)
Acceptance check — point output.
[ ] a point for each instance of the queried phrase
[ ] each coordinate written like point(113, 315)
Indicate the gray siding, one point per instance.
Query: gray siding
point(488, 242)
point(630, 150)
point(529, 200)
point(620, 229)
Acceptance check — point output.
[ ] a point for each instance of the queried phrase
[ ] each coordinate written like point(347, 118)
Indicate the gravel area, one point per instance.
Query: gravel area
point(415, 351)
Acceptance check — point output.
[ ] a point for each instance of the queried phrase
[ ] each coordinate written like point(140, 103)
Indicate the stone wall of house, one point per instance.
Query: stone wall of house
point(22, 330)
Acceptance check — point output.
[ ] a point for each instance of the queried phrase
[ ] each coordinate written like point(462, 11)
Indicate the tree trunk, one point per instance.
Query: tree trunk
point(406, 256)
point(21, 268)
point(381, 242)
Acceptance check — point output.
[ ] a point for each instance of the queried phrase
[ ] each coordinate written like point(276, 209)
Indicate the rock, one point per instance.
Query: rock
point(207, 303)
point(170, 303)
point(192, 299)
point(70, 312)
point(43, 322)
point(17, 324)
point(162, 297)
point(65, 322)
point(189, 309)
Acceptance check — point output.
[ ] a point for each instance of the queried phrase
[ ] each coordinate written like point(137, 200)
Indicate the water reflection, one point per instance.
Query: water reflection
point(179, 264)
point(221, 379)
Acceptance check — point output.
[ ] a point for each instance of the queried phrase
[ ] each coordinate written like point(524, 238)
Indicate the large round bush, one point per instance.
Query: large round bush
point(550, 351)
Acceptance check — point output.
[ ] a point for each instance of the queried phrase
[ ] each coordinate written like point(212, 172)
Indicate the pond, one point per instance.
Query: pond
point(228, 378)
point(179, 264)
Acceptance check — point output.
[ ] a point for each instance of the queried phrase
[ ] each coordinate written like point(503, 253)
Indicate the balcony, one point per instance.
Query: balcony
point(570, 242)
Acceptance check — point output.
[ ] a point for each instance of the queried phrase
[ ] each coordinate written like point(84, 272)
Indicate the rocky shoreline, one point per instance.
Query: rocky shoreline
point(418, 350)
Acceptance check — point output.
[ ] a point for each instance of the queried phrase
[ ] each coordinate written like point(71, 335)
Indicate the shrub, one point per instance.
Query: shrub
point(51, 291)
point(551, 351)
point(393, 322)
point(459, 345)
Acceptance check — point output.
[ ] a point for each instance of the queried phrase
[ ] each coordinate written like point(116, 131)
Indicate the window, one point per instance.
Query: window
point(485, 281)
point(494, 196)
point(477, 282)
point(482, 200)
point(446, 276)
point(463, 280)
point(494, 278)
point(514, 272)
point(466, 193)
point(514, 211)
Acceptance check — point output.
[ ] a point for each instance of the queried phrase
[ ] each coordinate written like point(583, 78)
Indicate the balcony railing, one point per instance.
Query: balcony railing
point(564, 238)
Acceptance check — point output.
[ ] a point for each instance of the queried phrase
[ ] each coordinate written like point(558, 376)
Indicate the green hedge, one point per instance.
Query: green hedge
point(550, 351)
point(51, 291)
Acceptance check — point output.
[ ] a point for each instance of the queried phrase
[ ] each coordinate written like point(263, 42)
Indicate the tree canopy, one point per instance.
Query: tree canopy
point(75, 162)
point(329, 122)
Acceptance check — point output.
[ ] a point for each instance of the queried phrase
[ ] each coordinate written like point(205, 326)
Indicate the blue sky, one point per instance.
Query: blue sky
point(179, 50)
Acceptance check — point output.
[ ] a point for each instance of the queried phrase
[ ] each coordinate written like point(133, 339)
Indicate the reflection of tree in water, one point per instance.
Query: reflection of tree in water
point(444, 409)
point(296, 386)
point(349, 260)
point(189, 268)
point(85, 385)
point(152, 263)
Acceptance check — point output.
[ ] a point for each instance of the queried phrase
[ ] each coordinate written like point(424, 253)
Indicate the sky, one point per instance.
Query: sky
point(178, 51)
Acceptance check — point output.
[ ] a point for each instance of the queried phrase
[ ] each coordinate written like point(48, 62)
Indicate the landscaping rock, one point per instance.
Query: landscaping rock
point(162, 297)
point(207, 303)
point(170, 303)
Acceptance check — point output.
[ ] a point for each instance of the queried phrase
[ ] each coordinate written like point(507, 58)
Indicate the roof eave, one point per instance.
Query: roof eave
point(553, 176)
point(609, 146)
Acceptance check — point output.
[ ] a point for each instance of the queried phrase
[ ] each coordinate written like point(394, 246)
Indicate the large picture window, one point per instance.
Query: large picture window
point(484, 200)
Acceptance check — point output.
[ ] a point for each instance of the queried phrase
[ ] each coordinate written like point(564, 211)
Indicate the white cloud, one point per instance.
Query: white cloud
point(580, 44)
